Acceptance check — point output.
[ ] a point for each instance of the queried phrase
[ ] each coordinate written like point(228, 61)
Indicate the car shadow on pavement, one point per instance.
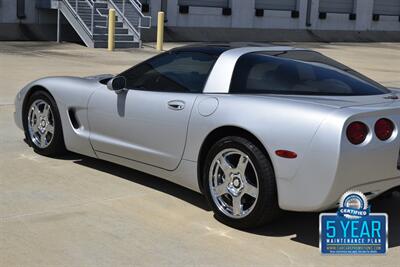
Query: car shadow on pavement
point(144, 179)
point(303, 226)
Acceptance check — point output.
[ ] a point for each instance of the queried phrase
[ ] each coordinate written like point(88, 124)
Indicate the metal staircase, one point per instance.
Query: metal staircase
point(89, 18)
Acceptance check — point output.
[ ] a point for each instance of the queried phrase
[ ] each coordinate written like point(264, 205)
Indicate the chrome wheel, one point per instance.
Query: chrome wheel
point(233, 183)
point(41, 123)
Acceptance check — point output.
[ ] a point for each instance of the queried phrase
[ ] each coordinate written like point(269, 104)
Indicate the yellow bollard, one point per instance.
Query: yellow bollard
point(111, 29)
point(160, 31)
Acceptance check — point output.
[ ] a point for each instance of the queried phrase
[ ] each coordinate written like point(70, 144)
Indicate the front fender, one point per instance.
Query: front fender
point(71, 95)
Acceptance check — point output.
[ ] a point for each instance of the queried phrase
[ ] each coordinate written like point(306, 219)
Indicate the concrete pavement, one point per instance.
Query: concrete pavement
point(78, 211)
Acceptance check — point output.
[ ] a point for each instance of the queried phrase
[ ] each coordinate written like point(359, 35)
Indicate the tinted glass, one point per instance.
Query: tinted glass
point(298, 72)
point(171, 72)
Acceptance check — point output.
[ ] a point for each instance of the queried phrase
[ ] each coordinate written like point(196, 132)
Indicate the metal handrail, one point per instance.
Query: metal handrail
point(98, 12)
point(75, 11)
point(124, 18)
point(91, 4)
point(134, 23)
point(138, 5)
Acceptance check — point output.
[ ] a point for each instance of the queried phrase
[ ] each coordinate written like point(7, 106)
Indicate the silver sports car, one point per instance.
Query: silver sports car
point(255, 129)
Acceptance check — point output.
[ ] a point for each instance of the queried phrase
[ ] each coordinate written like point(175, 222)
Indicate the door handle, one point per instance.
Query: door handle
point(176, 104)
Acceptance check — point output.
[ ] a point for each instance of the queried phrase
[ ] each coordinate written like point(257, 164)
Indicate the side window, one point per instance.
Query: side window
point(171, 72)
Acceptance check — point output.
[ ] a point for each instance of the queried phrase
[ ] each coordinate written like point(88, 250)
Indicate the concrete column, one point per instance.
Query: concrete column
point(302, 8)
point(314, 13)
point(155, 6)
point(172, 12)
point(58, 26)
point(364, 9)
point(243, 13)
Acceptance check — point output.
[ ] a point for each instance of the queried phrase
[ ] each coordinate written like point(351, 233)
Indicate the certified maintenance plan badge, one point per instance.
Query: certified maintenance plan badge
point(353, 229)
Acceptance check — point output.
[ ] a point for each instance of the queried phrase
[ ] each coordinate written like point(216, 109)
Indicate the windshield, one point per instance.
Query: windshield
point(299, 72)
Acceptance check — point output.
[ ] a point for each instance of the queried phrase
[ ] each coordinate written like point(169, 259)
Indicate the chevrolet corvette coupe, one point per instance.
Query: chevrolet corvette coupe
point(256, 129)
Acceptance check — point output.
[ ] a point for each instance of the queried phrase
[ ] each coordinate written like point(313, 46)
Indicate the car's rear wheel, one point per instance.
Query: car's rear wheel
point(42, 125)
point(239, 183)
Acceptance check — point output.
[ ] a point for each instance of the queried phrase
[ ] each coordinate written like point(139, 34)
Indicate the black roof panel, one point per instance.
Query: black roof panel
point(216, 48)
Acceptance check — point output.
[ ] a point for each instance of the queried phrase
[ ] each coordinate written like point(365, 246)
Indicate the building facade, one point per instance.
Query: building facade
point(230, 20)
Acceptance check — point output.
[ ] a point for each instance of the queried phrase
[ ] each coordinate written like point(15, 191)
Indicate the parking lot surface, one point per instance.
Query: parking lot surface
point(78, 211)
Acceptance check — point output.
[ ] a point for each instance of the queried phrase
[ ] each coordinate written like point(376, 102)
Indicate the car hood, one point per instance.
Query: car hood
point(99, 77)
point(342, 101)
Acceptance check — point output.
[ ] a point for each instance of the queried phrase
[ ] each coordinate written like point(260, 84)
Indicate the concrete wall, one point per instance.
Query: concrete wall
point(243, 16)
point(208, 24)
point(8, 13)
point(38, 24)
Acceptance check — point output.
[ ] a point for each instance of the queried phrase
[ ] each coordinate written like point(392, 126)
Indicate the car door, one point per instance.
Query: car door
point(148, 121)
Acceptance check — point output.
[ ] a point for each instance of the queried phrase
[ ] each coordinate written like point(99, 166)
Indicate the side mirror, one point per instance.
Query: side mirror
point(117, 84)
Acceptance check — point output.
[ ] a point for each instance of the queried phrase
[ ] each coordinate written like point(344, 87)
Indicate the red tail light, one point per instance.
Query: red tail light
point(384, 129)
point(357, 132)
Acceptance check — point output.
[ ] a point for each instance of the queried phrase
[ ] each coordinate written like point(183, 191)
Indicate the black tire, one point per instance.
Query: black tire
point(56, 146)
point(266, 207)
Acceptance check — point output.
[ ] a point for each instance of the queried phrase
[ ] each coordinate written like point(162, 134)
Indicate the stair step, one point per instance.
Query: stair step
point(79, 2)
point(88, 12)
point(103, 30)
point(118, 37)
point(101, 5)
point(124, 38)
point(105, 27)
point(89, 17)
point(80, 5)
point(104, 23)
point(89, 21)
point(121, 44)
point(103, 11)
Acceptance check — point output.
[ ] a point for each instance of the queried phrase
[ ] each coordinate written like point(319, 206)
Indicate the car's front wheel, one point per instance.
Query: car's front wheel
point(239, 183)
point(42, 125)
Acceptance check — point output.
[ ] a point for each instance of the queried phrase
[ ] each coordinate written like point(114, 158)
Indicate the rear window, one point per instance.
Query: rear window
point(298, 72)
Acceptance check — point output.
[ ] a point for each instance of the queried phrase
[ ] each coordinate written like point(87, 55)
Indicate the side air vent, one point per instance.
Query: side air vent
point(73, 119)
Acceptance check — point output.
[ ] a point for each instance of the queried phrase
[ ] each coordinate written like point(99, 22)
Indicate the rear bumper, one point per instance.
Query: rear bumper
point(332, 165)
point(372, 190)
point(310, 200)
